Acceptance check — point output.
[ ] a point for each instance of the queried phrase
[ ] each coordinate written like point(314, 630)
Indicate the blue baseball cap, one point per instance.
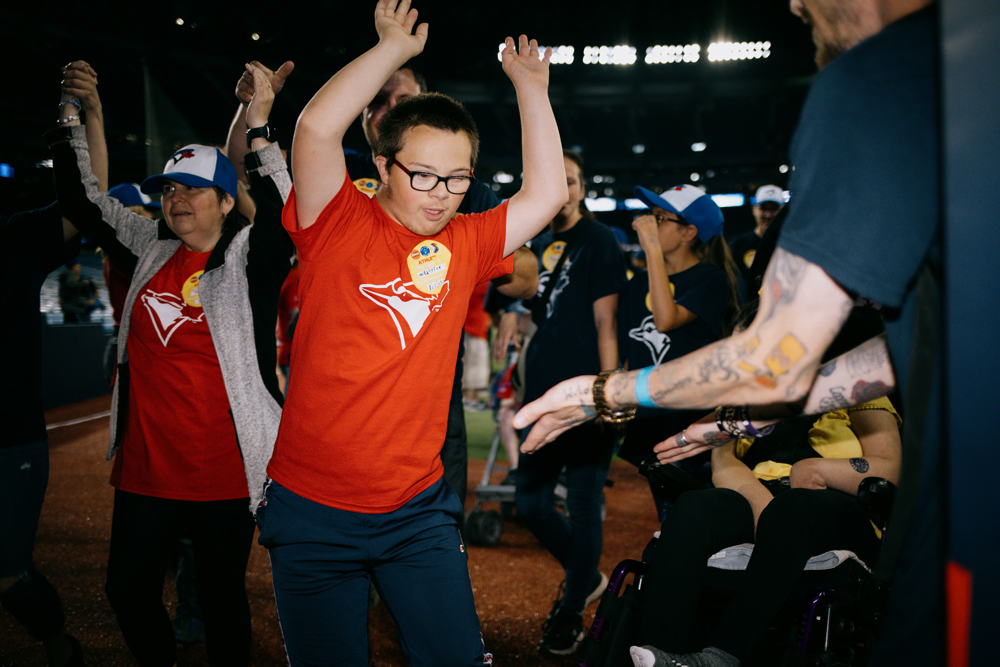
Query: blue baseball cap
point(198, 167)
point(689, 202)
point(129, 194)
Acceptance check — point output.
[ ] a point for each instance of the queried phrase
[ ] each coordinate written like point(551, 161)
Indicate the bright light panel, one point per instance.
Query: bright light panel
point(561, 55)
point(718, 51)
point(601, 204)
point(660, 54)
point(609, 55)
point(728, 200)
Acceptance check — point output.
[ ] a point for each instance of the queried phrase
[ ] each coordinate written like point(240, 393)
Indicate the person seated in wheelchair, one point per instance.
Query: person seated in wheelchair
point(793, 494)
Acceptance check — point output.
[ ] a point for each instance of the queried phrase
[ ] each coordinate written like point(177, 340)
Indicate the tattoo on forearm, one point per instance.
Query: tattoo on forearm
point(828, 368)
point(661, 395)
point(860, 465)
point(835, 401)
point(576, 390)
point(778, 362)
point(866, 358)
point(716, 438)
point(717, 367)
point(588, 411)
point(784, 275)
point(747, 348)
point(868, 391)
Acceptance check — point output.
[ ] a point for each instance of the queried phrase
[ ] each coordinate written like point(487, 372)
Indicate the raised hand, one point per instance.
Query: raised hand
point(245, 86)
point(648, 231)
point(263, 97)
point(394, 24)
point(80, 83)
point(525, 65)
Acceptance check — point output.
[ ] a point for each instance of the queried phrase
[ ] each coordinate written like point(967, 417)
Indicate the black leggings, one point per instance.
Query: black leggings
point(144, 530)
point(796, 525)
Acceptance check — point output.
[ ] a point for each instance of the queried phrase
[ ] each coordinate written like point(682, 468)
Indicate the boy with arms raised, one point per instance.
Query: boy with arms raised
point(357, 492)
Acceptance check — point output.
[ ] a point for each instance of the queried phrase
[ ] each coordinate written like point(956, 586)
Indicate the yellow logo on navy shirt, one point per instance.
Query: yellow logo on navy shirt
point(190, 290)
point(552, 254)
point(428, 265)
point(748, 257)
point(649, 297)
point(367, 186)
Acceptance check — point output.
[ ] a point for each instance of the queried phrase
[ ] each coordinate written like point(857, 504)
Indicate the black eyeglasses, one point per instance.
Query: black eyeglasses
point(425, 182)
point(660, 219)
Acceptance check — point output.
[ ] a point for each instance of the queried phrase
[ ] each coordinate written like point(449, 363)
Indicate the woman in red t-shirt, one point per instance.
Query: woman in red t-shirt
point(192, 426)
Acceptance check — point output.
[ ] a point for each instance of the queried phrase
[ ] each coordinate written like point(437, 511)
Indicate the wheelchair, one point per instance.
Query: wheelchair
point(831, 619)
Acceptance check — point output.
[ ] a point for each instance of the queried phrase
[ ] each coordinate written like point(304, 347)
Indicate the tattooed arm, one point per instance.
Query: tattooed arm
point(774, 360)
point(855, 377)
point(878, 433)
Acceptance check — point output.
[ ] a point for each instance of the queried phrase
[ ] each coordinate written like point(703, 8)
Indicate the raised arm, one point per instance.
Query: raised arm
point(80, 84)
point(667, 315)
point(774, 360)
point(317, 148)
point(236, 141)
point(82, 199)
point(543, 191)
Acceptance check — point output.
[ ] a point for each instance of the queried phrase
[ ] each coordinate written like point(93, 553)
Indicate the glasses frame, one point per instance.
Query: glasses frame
point(412, 174)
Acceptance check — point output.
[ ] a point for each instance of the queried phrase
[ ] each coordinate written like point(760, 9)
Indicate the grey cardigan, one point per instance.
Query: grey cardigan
point(239, 289)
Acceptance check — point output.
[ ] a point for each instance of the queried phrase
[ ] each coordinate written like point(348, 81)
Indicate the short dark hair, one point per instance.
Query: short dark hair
point(418, 76)
point(431, 109)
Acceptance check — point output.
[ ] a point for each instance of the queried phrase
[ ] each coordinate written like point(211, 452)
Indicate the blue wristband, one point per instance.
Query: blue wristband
point(642, 388)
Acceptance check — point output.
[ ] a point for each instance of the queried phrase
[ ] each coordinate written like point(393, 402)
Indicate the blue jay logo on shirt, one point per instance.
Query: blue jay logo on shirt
point(657, 341)
point(549, 260)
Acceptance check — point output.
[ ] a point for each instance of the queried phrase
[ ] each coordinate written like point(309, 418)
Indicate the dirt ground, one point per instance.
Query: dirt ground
point(515, 581)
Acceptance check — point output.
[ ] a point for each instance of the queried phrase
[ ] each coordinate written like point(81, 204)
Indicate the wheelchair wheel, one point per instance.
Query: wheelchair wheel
point(489, 528)
point(471, 530)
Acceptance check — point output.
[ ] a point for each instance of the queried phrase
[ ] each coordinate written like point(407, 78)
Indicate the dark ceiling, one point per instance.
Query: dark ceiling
point(744, 111)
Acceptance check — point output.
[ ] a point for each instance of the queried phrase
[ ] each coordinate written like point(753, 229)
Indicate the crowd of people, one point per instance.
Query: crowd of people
point(369, 269)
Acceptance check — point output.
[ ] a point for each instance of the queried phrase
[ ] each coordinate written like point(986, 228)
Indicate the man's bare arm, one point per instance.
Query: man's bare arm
point(855, 377)
point(774, 360)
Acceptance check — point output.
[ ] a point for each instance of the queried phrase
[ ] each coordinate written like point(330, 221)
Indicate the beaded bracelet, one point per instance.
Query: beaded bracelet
point(600, 402)
point(75, 102)
point(67, 119)
point(735, 420)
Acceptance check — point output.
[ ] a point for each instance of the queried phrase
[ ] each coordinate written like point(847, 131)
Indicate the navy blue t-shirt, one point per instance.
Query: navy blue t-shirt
point(866, 192)
point(704, 290)
point(565, 344)
point(31, 247)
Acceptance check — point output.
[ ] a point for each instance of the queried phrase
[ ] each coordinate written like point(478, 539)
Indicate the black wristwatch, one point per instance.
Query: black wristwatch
point(264, 131)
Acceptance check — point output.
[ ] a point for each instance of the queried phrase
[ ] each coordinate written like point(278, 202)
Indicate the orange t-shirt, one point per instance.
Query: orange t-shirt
point(179, 440)
point(375, 347)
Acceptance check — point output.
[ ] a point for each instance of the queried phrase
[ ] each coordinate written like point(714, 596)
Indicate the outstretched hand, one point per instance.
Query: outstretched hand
point(263, 97)
point(700, 436)
point(80, 83)
point(245, 86)
point(525, 65)
point(394, 24)
point(569, 403)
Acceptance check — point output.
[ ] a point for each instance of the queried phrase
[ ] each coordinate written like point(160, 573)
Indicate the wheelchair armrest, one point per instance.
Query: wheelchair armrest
point(876, 495)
